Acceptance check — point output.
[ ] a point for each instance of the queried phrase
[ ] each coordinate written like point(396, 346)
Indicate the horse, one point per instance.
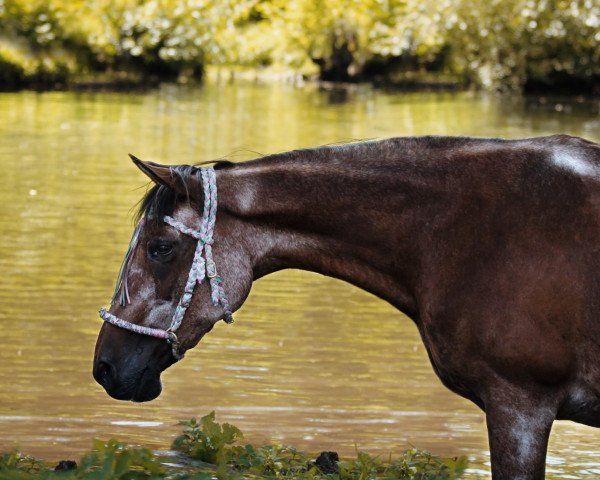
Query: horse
point(491, 247)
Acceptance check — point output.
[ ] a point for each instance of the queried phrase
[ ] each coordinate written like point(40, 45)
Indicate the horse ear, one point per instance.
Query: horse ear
point(159, 174)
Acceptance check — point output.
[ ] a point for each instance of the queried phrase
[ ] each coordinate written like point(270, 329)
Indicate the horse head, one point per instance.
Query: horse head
point(169, 288)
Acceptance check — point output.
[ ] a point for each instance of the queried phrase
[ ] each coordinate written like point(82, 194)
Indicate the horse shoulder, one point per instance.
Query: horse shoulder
point(512, 288)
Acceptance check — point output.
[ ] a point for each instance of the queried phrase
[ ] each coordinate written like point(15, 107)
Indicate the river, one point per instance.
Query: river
point(310, 361)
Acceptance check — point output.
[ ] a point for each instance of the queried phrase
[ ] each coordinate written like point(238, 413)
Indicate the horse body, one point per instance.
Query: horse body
point(490, 246)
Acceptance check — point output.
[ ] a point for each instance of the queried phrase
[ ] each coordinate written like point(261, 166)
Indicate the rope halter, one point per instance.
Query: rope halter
point(203, 267)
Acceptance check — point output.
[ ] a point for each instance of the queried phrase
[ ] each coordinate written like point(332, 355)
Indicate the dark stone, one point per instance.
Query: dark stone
point(65, 465)
point(327, 462)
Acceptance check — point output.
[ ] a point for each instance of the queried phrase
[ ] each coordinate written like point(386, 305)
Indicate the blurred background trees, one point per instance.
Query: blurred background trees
point(491, 44)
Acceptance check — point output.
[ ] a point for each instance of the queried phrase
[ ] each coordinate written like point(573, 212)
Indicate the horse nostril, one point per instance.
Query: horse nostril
point(104, 373)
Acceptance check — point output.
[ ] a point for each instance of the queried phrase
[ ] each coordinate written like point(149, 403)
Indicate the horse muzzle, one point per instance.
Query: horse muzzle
point(128, 366)
point(141, 385)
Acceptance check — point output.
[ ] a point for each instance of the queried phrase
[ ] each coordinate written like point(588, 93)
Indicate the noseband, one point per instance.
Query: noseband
point(203, 267)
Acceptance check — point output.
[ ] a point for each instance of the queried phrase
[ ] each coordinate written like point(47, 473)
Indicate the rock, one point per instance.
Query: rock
point(327, 462)
point(65, 465)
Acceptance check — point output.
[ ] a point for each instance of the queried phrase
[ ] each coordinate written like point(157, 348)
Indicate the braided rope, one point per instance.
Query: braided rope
point(203, 266)
point(141, 329)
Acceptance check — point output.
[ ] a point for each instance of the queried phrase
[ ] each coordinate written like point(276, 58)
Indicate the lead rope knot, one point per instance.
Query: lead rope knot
point(174, 342)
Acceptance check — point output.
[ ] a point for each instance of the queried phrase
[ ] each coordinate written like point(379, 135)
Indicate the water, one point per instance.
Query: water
point(311, 361)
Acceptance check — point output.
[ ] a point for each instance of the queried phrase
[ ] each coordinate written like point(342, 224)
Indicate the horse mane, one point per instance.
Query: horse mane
point(160, 200)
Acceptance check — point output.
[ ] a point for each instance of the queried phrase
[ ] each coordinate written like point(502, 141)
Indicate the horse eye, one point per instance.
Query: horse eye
point(164, 249)
point(161, 249)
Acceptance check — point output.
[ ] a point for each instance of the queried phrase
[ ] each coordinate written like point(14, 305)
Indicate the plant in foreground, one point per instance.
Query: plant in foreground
point(210, 442)
point(215, 445)
point(206, 440)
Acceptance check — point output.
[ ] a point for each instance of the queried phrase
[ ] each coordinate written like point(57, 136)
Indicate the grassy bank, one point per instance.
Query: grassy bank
point(207, 450)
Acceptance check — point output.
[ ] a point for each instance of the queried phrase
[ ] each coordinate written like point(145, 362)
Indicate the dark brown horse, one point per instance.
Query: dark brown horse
point(490, 246)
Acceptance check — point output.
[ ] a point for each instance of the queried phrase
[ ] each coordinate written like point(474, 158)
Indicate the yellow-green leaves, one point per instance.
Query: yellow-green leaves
point(205, 439)
point(494, 44)
point(208, 450)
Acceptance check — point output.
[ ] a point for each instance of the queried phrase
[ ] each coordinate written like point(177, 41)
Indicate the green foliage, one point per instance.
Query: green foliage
point(106, 461)
point(272, 461)
point(19, 68)
point(115, 460)
point(211, 442)
point(494, 44)
point(412, 465)
point(350, 32)
point(206, 440)
point(16, 466)
point(504, 44)
point(12, 70)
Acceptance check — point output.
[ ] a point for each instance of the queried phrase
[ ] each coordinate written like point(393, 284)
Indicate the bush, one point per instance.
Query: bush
point(12, 70)
point(492, 44)
point(49, 73)
point(18, 70)
point(206, 440)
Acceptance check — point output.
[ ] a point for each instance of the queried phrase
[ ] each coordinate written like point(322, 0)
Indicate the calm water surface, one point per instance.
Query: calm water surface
point(310, 361)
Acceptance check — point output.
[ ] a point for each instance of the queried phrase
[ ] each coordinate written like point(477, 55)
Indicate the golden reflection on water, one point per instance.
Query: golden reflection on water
point(311, 361)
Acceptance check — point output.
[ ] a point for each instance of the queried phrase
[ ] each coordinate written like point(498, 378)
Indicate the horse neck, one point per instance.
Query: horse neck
point(332, 211)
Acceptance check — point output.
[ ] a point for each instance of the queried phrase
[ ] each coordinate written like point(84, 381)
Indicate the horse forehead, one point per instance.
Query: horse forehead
point(187, 215)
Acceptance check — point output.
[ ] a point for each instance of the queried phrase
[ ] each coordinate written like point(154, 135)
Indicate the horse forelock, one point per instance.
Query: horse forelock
point(160, 200)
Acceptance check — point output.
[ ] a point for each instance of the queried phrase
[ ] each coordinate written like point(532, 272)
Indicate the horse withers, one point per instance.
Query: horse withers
point(490, 246)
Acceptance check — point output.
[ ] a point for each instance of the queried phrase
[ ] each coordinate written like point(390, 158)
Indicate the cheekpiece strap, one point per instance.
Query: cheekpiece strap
point(203, 265)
